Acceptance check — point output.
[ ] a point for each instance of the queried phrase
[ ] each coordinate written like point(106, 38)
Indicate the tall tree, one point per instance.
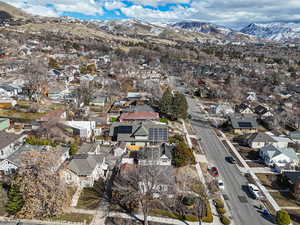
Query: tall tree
point(179, 106)
point(166, 102)
point(43, 192)
point(141, 184)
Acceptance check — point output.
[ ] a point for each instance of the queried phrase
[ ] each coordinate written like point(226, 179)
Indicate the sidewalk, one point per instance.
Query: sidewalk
point(76, 197)
point(249, 170)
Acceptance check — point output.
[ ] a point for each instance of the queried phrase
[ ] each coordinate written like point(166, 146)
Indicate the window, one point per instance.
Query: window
point(2, 153)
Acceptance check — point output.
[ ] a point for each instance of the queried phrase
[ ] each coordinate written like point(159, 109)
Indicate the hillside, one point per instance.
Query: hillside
point(8, 11)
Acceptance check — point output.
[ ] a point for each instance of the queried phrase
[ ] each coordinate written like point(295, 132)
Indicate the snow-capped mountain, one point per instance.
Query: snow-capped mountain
point(277, 31)
point(217, 31)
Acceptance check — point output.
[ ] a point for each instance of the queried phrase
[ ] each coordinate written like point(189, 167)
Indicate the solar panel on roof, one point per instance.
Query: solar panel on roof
point(158, 134)
point(125, 129)
point(245, 124)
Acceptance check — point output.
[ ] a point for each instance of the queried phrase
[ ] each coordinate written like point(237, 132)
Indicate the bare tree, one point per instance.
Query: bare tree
point(36, 78)
point(144, 185)
point(42, 190)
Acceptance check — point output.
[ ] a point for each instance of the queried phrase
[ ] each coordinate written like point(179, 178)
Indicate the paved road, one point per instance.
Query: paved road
point(241, 205)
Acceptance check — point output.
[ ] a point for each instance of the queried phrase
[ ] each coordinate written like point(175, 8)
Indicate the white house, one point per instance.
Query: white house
point(85, 129)
point(224, 109)
point(259, 140)
point(279, 157)
point(9, 143)
point(280, 141)
point(251, 96)
point(85, 169)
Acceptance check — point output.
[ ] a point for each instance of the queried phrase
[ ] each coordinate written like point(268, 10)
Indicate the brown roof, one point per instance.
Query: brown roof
point(8, 138)
point(139, 116)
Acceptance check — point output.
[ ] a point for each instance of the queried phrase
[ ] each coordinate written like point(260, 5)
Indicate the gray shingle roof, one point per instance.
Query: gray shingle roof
point(85, 164)
point(241, 122)
point(8, 138)
point(155, 153)
point(87, 147)
point(260, 137)
point(273, 151)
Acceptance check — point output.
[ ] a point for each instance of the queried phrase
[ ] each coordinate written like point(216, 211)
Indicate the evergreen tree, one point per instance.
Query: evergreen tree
point(166, 102)
point(179, 107)
point(15, 200)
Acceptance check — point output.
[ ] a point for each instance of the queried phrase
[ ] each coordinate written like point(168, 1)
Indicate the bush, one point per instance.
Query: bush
point(219, 203)
point(176, 139)
point(225, 220)
point(73, 149)
point(15, 200)
point(283, 218)
point(221, 211)
point(164, 121)
point(114, 119)
point(189, 201)
point(38, 141)
point(191, 218)
point(209, 216)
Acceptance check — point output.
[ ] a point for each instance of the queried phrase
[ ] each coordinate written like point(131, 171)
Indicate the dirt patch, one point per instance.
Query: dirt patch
point(185, 175)
point(285, 199)
point(256, 164)
point(248, 153)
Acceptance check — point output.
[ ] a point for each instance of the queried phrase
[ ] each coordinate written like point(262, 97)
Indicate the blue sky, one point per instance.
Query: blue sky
point(233, 13)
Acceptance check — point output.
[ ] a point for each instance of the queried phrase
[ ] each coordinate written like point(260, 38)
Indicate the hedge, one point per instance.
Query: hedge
point(225, 220)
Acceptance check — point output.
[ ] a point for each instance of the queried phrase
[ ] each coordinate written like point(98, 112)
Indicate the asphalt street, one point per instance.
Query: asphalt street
point(243, 208)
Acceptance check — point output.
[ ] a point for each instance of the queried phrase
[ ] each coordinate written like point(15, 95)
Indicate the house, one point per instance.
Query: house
point(138, 116)
point(89, 148)
point(160, 156)
point(9, 143)
point(242, 124)
point(224, 109)
point(279, 157)
point(85, 169)
point(99, 101)
point(84, 129)
point(137, 135)
point(8, 91)
point(258, 140)
point(293, 179)
point(282, 141)
point(4, 124)
point(295, 136)
point(243, 109)
point(251, 96)
point(7, 103)
point(262, 111)
point(13, 162)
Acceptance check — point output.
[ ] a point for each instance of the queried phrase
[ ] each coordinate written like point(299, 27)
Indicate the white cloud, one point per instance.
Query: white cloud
point(159, 2)
point(114, 5)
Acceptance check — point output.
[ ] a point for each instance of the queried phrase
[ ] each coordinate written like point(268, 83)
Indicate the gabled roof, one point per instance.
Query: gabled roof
point(85, 164)
point(8, 138)
point(155, 153)
point(260, 137)
point(293, 176)
point(141, 131)
point(273, 151)
point(260, 110)
point(242, 107)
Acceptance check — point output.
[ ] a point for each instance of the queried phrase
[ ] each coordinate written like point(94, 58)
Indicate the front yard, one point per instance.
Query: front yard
point(90, 197)
point(285, 199)
point(270, 181)
point(75, 217)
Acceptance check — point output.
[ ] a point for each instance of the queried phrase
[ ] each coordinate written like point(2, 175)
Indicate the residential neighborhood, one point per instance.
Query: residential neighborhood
point(128, 122)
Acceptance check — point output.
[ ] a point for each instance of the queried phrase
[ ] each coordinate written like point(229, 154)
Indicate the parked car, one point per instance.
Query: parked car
point(230, 159)
point(221, 184)
point(253, 189)
point(214, 171)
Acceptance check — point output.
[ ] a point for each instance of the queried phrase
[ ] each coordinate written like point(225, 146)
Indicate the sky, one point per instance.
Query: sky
point(232, 13)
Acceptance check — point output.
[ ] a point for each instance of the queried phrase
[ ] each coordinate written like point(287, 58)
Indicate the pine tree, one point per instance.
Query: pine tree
point(166, 102)
point(179, 107)
point(15, 200)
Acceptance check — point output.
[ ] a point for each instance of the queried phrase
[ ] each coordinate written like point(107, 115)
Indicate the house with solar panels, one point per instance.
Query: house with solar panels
point(242, 124)
point(139, 134)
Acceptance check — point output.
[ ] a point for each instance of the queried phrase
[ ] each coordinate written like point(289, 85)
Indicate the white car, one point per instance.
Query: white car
point(221, 185)
point(254, 191)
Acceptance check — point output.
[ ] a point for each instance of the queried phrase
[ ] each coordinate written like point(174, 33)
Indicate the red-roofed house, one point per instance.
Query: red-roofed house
point(139, 116)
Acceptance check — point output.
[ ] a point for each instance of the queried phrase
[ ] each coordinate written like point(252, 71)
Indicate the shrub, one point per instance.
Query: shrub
point(164, 121)
point(73, 149)
point(38, 141)
point(283, 218)
point(221, 211)
point(219, 203)
point(189, 201)
point(209, 216)
point(225, 220)
point(191, 218)
point(113, 119)
point(15, 200)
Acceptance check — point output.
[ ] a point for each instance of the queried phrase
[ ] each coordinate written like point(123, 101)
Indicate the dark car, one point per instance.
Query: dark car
point(214, 171)
point(230, 159)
